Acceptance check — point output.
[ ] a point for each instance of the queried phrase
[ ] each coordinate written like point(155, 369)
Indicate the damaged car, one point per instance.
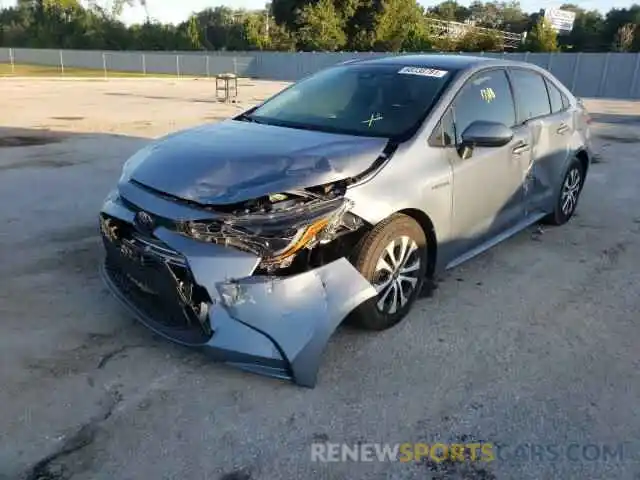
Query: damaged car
point(255, 237)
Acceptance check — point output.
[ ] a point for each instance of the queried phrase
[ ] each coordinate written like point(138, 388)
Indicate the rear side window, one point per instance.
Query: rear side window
point(486, 96)
point(557, 99)
point(531, 94)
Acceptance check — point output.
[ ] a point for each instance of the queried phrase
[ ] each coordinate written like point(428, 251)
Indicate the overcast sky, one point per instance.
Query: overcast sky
point(176, 11)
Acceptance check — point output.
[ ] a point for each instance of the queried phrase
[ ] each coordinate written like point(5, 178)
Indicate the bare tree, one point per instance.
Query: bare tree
point(145, 5)
point(624, 37)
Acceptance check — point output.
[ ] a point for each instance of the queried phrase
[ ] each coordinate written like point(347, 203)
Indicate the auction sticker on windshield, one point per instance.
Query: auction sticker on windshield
point(425, 72)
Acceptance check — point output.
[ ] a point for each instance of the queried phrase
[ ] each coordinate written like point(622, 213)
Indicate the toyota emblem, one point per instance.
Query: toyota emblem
point(144, 222)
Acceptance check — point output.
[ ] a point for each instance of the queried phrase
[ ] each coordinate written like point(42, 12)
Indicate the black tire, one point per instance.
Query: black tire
point(405, 231)
point(563, 212)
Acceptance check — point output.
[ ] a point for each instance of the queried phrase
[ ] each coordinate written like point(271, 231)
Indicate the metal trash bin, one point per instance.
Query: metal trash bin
point(227, 84)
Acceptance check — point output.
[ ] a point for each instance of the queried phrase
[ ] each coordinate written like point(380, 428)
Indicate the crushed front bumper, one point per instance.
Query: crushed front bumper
point(268, 325)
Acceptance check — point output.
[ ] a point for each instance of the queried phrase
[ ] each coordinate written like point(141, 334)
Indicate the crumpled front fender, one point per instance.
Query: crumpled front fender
point(275, 326)
point(298, 313)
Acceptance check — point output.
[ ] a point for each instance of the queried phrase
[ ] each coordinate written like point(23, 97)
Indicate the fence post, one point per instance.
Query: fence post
point(603, 77)
point(634, 79)
point(61, 63)
point(144, 64)
point(11, 59)
point(178, 64)
point(104, 64)
point(576, 69)
point(207, 66)
point(526, 56)
point(550, 61)
point(235, 66)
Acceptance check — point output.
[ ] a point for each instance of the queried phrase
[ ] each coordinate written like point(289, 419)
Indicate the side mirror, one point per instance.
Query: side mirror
point(486, 134)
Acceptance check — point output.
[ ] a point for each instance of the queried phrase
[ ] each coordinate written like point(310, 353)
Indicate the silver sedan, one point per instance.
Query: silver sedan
point(254, 238)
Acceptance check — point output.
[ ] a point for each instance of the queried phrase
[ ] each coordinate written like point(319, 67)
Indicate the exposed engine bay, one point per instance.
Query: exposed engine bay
point(291, 231)
point(268, 304)
point(260, 283)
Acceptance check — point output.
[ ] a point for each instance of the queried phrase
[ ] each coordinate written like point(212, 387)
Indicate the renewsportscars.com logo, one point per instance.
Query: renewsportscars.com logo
point(402, 452)
point(467, 452)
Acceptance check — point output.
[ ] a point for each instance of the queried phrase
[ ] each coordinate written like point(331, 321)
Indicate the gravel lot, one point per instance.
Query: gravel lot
point(534, 342)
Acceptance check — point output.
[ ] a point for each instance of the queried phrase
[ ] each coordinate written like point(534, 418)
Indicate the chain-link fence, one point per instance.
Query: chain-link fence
point(604, 75)
point(190, 64)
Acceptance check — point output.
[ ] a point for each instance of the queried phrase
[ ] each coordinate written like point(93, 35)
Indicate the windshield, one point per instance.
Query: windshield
point(372, 100)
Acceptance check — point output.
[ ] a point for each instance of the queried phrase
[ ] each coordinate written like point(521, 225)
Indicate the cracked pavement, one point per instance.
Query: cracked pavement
point(536, 341)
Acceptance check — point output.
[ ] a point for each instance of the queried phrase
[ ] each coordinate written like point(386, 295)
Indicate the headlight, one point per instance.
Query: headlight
point(131, 164)
point(278, 236)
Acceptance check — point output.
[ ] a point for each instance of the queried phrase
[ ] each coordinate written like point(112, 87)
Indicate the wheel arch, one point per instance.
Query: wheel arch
point(429, 230)
point(583, 158)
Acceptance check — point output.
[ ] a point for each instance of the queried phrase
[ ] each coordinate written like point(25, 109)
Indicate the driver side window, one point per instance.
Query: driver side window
point(486, 96)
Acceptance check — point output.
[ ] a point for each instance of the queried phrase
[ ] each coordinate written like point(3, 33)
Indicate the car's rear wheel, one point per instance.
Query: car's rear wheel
point(568, 196)
point(393, 257)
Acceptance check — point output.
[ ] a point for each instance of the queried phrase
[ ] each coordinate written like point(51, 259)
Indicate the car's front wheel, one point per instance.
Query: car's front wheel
point(567, 200)
point(393, 257)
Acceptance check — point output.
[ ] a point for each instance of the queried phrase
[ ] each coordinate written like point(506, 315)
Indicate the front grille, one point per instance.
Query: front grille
point(160, 250)
point(152, 284)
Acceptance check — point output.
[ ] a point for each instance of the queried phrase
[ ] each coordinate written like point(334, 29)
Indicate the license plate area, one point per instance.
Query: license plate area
point(151, 275)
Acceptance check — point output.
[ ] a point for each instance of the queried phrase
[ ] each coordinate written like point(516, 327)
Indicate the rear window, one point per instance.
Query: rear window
point(371, 100)
point(531, 94)
point(558, 101)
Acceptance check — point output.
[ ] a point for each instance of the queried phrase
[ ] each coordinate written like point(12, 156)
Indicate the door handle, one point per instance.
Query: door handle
point(520, 148)
point(562, 128)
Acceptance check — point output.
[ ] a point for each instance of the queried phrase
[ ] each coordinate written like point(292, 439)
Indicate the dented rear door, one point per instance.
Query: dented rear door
point(550, 128)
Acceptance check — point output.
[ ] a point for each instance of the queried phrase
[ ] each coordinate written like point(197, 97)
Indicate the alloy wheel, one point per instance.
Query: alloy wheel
point(570, 191)
point(396, 274)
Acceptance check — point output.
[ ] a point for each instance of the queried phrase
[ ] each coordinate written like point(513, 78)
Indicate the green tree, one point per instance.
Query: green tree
point(285, 11)
point(256, 31)
point(487, 14)
point(514, 19)
point(223, 28)
point(319, 27)
point(394, 22)
point(384, 25)
point(475, 40)
point(418, 39)
point(543, 37)
point(193, 33)
point(281, 39)
point(450, 10)
point(587, 34)
point(445, 43)
point(617, 18)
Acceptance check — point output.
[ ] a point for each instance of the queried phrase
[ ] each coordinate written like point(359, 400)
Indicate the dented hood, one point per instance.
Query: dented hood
point(233, 161)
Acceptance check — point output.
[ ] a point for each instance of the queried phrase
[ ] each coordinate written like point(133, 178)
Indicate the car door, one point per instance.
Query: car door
point(487, 181)
point(543, 108)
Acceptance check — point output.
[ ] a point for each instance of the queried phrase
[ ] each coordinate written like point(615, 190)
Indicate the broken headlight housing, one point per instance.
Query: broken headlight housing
point(276, 236)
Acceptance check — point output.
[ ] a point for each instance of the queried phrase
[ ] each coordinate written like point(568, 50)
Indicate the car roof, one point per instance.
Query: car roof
point(446, 62)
